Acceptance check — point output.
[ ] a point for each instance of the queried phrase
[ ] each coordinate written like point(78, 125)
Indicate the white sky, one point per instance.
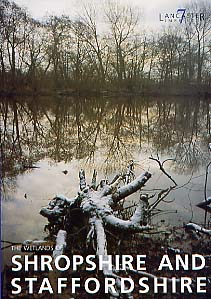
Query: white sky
point(151, 8)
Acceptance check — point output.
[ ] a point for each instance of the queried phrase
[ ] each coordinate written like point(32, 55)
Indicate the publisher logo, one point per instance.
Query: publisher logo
point(182, 16)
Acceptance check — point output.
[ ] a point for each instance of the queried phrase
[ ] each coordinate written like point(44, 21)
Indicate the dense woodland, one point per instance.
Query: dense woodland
point(112, 51)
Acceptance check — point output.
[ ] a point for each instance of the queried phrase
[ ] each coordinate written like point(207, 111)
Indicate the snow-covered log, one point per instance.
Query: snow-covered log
point(206, 205)
point(60, 243)
point(198, 228)
point(82, 179)
point(97, 203)
point(132, 187)
point(125, 225)
point(102, 251)
point(57, 207)
point(101, 243)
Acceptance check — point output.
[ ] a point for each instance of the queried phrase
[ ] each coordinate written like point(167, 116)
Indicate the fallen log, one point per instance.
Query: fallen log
point(97, 203)
point(198, 228)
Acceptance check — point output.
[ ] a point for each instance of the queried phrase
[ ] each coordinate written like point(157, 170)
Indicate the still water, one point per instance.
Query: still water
point(46, 141)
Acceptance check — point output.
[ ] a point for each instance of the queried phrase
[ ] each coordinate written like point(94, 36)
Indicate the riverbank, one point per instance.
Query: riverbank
point(194, 90)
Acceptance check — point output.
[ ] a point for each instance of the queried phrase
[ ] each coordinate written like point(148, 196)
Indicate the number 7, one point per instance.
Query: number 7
point(183, 14)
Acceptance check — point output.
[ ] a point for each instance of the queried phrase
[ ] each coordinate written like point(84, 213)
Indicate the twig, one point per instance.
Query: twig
point(10, 244)
point(160, 198)
point(205, 190)
point(205, 182)
point(162, 169)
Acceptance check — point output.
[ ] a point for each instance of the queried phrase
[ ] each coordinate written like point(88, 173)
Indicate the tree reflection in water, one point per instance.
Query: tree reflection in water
point(66, 128)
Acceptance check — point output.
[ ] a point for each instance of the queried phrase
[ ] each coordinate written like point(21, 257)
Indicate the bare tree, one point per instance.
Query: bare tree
point(122, 21)
point(198, 29)
point(58, 45)
point(86, 30)
point(13, 21)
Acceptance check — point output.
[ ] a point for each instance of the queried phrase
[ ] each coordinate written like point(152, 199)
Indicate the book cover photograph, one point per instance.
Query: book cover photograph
point(105, 149)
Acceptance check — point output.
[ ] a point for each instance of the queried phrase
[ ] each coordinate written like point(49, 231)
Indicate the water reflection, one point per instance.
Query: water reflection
point(62, 134)
point(66, 128)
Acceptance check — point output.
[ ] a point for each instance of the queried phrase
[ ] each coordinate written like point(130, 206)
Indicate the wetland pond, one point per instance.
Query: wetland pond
point(45, 141)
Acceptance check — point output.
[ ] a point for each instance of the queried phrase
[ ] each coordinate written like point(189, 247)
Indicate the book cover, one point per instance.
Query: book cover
point(105, 149)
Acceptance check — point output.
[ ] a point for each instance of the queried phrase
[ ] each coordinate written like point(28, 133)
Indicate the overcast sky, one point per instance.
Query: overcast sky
point(151, 8)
